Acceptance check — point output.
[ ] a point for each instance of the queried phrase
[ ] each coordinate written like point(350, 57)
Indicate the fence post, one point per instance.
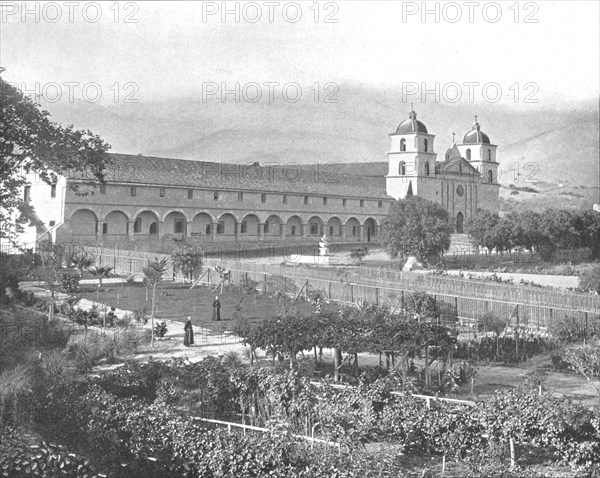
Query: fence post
point(376, 295)
point(265, 285)
point(329, 290)
point(352, 293)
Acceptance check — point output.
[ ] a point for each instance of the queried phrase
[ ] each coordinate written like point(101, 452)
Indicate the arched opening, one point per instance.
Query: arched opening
point(459, 222)
point(176, 225)
point(201, 225)
point(250, 226)
point(425, 145)
point(370, 229)
point(490, 176)
point(334, 227)
point(294, 226)
point(115, 224)
point(402, 144)
point(468, 155)
point(273, 227)
point(315, 226)
point(227, 226)
point(352, 229)
point(145, 223)
point(84, 223)
point(402, 168)
point(426, 169)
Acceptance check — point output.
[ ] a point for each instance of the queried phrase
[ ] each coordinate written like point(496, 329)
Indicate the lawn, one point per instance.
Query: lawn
point(177, 301)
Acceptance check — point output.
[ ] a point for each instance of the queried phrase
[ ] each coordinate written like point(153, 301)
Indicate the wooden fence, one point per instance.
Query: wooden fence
point(465, 298)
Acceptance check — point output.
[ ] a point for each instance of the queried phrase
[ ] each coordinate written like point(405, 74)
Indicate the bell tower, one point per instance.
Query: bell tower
point(411, 160)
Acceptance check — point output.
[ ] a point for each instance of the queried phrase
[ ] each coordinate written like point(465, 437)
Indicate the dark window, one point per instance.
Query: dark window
point(489, 154)
point(354, 230)
point(344, 202)
point(425, 145)
point(468, 155)
point(152, 229)
point(314, 228)
point(284, 199)
point(220, 227)
point(240, 196)
point(27, 193)
point(244, 228)
point(266, 227)
point(178, 226)
point(362, 203)
point(263, 198)
point(324, 201)
point(103, 189)
point(104, 228)
point(53, 191)
point(490, 176)
point(293, 230)
point(402, 144)
point(161, 192)
point(190, 194)
point(426, 169)
point(402, 168)
point(331, 230)
point(52, 223)
point(208, 229)
point(216, 195)
point(132, 191)
point(380, 204)
point(305, 199)
point(137, 225)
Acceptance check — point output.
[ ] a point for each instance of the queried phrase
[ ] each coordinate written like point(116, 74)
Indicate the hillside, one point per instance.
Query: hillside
point(539, 148)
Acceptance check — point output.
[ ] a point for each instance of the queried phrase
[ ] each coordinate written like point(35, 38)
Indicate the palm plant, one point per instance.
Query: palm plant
point(152, 276)
point(13, 384)
point(100, 273)
point(81, 259)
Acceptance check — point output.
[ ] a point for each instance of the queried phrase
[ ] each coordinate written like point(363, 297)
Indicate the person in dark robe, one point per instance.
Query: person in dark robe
point(216, 309)
point(188, 338)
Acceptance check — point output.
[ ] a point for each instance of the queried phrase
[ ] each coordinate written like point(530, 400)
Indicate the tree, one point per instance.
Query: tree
point(481, 228)
point(588, 225)
point(416, 227)
point(33, 143)
point(153, 275)
point(187, 258)
point(490, 322)
point(585, 360)
point(81, 259)
point(590, 279)
point(358, 253)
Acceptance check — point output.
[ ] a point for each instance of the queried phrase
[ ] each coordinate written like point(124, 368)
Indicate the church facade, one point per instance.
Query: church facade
point(157, 203)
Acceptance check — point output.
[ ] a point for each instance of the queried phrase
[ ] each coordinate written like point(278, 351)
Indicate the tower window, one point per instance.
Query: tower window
point(161, 192)
point(132, 191)
point(190, 194)
point(344, 202)
point(402, 168)
point(362, 203)
point(52, 223)
point(263, 198)
point(305, 199)
point(284, 199)
point(324, 201)
point(215, 195)
point(468, 155)
point(489, 154)
point(426, 169)
point(490, 176)
point(402, 144)
point(425, 145)
point(380, 204)
point(27, 193)
point(240, 196)
point(103, 189)
point(53, 191)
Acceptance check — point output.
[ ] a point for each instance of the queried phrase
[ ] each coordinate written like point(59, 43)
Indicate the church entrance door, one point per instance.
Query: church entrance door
point(459, 222)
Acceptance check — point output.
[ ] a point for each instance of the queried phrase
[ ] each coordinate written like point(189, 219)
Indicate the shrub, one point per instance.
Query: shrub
point(69, 282)
point(590, 279)
point(160, 330)
point(54, 365)
point(358, 253)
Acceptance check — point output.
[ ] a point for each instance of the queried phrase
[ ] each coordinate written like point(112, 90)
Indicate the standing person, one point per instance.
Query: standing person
point(188, 338)
point(216, 309)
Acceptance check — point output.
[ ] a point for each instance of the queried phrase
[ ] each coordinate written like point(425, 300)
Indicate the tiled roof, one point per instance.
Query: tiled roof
point(322, 179)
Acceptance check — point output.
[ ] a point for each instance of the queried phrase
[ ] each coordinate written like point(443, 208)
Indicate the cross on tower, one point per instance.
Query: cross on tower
point(475, 118)
point(453, 137)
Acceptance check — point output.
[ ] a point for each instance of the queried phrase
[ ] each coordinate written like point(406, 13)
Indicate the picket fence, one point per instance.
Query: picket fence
point(465, 298)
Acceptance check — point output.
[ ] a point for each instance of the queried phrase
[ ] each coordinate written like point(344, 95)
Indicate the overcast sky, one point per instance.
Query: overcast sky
point(171, 50)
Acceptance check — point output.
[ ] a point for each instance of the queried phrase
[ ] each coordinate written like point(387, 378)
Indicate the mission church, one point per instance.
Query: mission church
point(157, 203)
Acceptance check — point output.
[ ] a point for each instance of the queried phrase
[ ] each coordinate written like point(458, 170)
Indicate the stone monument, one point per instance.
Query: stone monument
point(324, 250)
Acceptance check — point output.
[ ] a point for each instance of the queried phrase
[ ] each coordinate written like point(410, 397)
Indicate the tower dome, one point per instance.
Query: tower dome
point(476, 136)
point(411, 125)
